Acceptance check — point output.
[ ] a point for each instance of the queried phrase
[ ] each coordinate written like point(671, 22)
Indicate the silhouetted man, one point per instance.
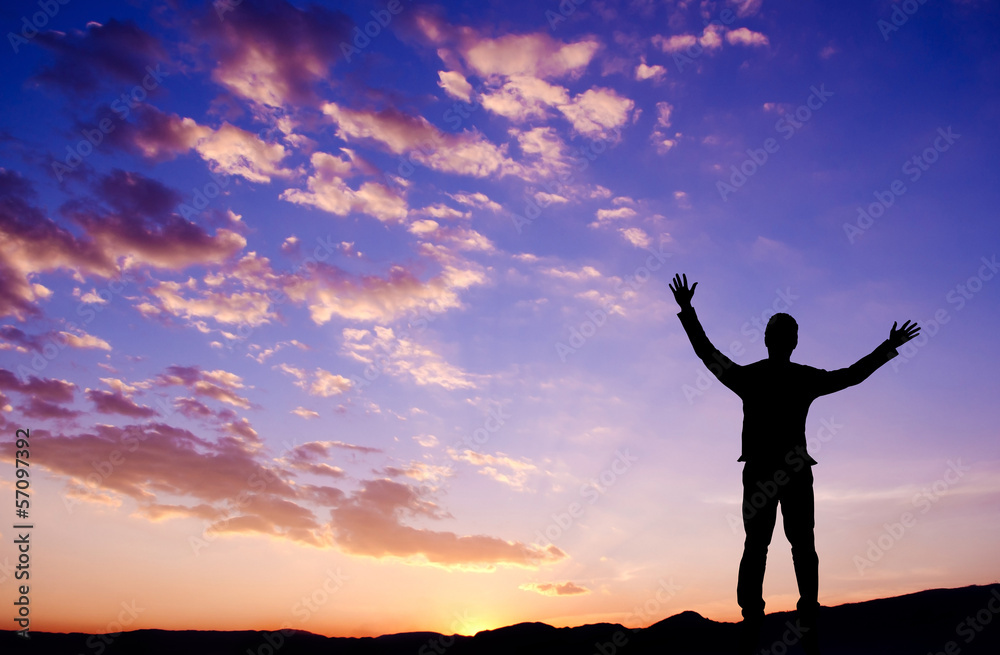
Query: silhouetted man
point(776, 395)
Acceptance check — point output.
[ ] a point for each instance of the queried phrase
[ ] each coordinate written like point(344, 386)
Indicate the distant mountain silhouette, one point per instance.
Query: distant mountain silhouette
point(963, 621)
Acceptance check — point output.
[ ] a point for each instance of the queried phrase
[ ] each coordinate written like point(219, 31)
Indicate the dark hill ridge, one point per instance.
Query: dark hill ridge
point(963, 621)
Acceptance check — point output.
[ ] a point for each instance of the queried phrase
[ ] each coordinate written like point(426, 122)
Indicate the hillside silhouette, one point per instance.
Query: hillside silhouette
point(962, 621)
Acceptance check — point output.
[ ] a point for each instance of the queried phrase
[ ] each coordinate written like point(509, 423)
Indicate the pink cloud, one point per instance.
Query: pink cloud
point(328, 191)
point(598, 112)
point(228, 149)
point(536, 54)
point(228, 482)
point(49, 389)
point(218, 385)
point(43, 409)
point(465, 153)
point(745, 36)
point(555, 589)
point(370, 524)
point(330, 291)
point(53, 339)
point(455, 85)
point(274, 53)
point(140, 226)
point(108, 402)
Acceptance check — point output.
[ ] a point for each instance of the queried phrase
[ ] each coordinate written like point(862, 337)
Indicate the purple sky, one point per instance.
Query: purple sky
point(293, 310)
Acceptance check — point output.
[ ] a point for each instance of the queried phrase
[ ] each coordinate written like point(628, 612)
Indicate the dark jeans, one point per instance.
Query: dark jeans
point(764, 488)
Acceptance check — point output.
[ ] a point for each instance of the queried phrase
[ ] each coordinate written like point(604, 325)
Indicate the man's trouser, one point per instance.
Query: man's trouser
point(764, 488)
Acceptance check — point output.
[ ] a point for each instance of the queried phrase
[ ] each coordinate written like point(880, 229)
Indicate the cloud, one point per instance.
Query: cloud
point(157, 136)
point(554, 589)
point(548, 152)
point(464, 153)
point(598, 112)
point(674, 43)
point(584, 273)
point(659, 137)
point(302, 412)
point(114, 54)
point(370, 523)
point(273, 53)
point(330, 291)
point(440, 210)
point(84, 340)
point(476, 199)
point(119, 385)
point(746, 8)
point(328, 191)
point(654, 72)
point(31, 243)
point(744, 36)
point(42, 409)
point(37, 342)
point(234, 151)
point(505, 470)
point(403, 357)
point(327, 384)
point(49, 389)
point(187, 300)
point(663, 113)
point(523, 97)
point(545, 198)
point(193, 408)
point(306, 457)
point(262, 354)
point(142, 226)
point(114, 402)
point(592, 113)
point(426, 440)
point(240, 293)
point(535, 54)
point(636, 236)
point(228, 150)
point(455, 85)
point(710, 39)
point(153, 461)
point(218, 384)
point(458, 236)
point(609, 215)
point(419, 471)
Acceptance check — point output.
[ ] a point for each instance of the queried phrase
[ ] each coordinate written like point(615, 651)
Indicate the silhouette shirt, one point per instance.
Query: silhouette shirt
point(776, 395)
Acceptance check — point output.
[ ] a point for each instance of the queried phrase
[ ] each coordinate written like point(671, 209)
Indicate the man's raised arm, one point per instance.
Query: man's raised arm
point(858, 372)
point(717, 363)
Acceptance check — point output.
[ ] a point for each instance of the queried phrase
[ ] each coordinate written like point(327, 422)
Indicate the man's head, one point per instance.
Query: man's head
point(781, 336)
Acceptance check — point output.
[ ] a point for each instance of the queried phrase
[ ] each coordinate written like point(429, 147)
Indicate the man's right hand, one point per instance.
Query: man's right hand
point(898, 337)
point(681, 292)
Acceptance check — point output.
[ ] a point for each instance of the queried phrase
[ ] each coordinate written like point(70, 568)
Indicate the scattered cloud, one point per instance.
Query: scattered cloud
point(554, 589)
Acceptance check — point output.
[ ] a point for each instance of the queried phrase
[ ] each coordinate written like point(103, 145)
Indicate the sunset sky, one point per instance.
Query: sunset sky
point(354, 317)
